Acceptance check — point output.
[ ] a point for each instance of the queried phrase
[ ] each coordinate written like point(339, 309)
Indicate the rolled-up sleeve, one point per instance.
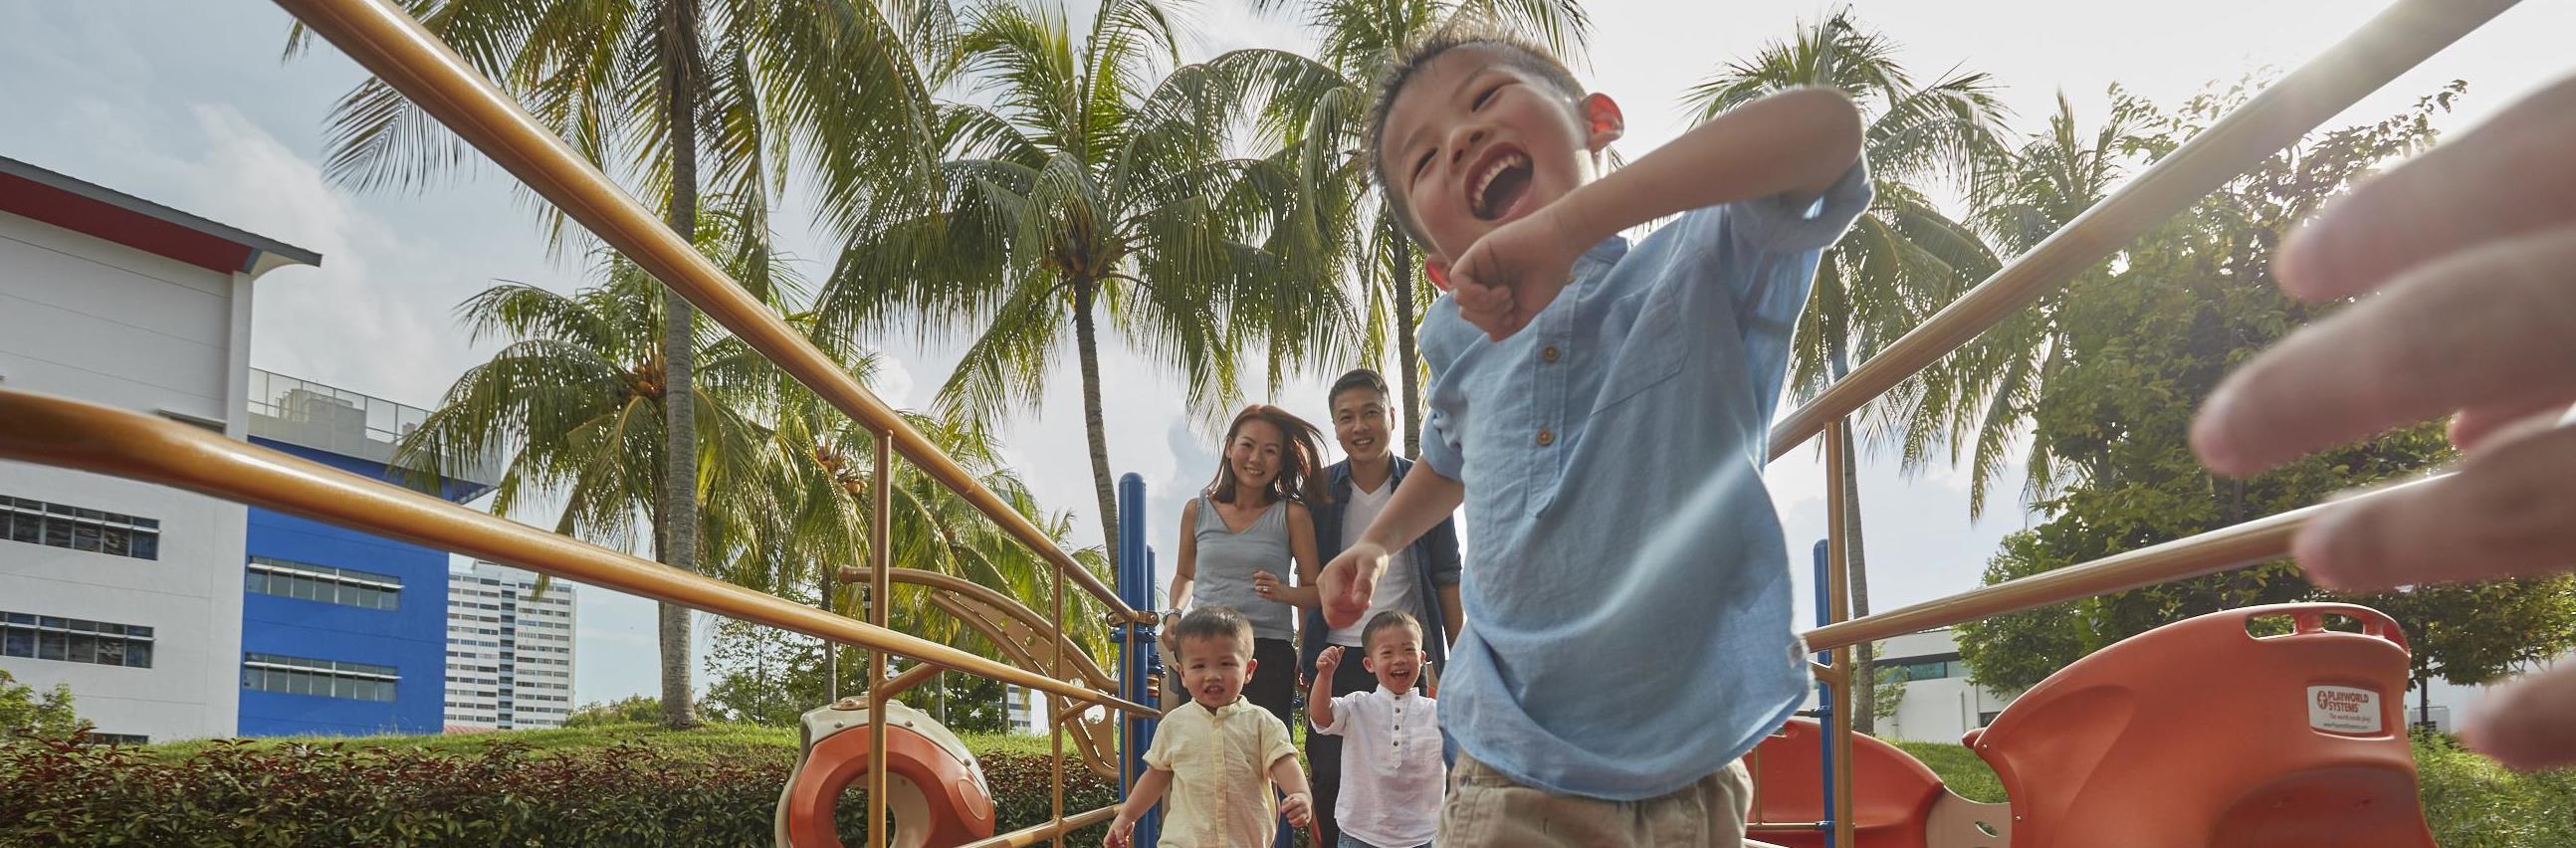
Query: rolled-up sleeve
point(1783, 225)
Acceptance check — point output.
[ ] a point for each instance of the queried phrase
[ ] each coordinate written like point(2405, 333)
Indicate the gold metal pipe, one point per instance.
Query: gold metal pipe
point(394, 47)
point(1055, 728)
point(1838, 608)
point(1785, 826)
point(1030, 836)
point(2260, 540)
point(2398, 38)
point(80, 435)
point(912, 678)
point(880, 614)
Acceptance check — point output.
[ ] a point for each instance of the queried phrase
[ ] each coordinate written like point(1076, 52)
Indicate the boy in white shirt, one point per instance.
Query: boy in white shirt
point(1391, 766)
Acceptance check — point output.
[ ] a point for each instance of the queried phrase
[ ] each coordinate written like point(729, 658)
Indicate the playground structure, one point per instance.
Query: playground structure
point(2305, 747)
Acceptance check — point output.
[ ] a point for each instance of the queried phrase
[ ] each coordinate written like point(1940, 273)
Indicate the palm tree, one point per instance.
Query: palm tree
point(1903, 258)
point(1983, 395)
point(675, 96)
point(1360, 39)
point(819, 477)
point(1077, 187)
point(578, 400)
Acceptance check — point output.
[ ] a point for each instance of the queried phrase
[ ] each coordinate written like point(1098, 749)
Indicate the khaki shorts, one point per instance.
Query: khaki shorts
point(1485, 808)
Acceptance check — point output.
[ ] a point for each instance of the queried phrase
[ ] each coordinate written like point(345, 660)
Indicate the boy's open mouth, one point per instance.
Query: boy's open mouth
point(1499, 182)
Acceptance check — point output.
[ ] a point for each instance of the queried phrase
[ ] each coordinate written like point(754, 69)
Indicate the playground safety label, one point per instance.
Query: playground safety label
point(2343, 709)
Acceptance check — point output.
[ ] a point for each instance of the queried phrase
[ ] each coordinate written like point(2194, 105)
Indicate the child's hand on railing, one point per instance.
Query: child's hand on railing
point(1299, 808)
point(1122, 832)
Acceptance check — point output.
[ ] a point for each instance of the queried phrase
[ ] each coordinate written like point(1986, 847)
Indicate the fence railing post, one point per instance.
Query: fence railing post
point(1137, 662)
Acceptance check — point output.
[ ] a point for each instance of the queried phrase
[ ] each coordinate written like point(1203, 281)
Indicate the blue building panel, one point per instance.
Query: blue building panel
point(353, 638)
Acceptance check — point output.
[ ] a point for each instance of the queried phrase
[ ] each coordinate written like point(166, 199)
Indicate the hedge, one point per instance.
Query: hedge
point(275, 796)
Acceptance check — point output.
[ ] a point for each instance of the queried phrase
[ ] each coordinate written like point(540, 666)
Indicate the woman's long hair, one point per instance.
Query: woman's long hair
point(1301, 460)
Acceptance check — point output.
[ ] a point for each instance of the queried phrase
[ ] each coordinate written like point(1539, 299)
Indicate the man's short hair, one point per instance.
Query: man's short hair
point(1357, 378)
point(1212, 622)
point(1387, 620)
point(1516, 51)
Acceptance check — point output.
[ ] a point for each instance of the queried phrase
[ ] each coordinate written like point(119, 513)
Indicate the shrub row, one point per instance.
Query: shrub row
point(233, 793)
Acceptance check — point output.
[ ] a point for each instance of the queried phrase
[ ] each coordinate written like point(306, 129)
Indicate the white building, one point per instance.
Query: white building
point(509, 650)
point(1940, 704)
point(129, 593)
point(1025, 708)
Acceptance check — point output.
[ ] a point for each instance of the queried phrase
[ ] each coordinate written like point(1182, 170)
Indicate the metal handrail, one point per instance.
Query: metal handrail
point(394, 47)
point(90, 437)
point(2399, 38)
point(1032, 835)
point(2260, 540)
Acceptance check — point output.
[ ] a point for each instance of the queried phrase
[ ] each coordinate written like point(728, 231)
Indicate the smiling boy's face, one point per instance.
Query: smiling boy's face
point(1395, 656)
point(1473, 141)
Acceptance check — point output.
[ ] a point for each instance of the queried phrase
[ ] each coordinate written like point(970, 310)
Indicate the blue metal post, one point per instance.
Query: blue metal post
point(1136, 667)
point(1825, 696)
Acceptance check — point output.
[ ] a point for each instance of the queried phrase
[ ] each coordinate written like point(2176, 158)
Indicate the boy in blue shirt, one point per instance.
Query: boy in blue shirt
point(1602, 411)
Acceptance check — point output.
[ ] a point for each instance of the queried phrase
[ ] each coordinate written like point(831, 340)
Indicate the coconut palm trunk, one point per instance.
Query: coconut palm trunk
point(1864, 681)
point(679, 524)
point(1086, 340)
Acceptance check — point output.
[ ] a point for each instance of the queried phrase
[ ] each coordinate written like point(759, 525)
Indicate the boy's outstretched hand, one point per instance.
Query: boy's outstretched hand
point(1325, 662)
point(2467, 258)
point(1513, 273)
point(1350, 581)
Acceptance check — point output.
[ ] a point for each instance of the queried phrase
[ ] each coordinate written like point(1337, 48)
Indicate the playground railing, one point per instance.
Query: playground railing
point(2398, 38)
point(398, 50)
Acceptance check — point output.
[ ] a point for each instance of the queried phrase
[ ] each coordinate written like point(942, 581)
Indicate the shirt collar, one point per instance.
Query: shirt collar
point(1240, 704)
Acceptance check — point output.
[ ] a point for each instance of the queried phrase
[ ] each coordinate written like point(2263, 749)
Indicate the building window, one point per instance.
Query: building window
point(96, 738)
point(46, 637)
point(1927, 668)
point(306, 581)
point(115, 534)
point(326, 678)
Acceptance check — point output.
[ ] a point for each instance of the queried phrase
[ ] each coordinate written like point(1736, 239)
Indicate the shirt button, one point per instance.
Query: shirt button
point(1549, 354)
point(1546, 437)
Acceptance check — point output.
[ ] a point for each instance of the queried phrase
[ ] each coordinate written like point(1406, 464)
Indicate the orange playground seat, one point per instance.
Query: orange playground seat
point(1897, 802)
point(2201, 734)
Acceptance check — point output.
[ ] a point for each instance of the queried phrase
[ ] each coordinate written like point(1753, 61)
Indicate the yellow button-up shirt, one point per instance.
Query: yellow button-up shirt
point(1220, 761)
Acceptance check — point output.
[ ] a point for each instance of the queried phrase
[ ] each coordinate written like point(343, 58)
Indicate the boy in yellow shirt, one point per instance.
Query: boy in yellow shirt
point(1218, 754)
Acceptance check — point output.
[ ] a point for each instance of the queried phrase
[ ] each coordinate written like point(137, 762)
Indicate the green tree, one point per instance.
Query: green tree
point(1079, 187)
point(1903, 259)
point(2135, 345)
point(2469, 634)
point(576, 401)
point(762, 675)
point(1360, 39)
point(675, 96)
point(632, 709)
point(42, 715)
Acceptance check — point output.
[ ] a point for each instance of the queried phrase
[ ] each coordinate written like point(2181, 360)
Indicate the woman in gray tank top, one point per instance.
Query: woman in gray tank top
point(1252, 520)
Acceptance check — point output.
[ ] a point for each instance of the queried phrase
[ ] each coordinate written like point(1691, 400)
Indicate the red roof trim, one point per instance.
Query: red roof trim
point(133, 229)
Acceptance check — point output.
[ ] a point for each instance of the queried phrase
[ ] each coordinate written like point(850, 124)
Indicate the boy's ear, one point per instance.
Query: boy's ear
point(1369, 663)
point(1248, 666)
point(1602, 121)
point(1437, 268)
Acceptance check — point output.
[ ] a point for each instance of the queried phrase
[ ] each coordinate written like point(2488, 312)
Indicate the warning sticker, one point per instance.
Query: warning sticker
point(2343, 709)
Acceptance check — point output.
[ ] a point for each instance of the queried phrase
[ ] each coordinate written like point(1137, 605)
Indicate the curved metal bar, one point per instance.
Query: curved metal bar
point(991, 597)
point(89, 437)
point(2219, 550)
point(389, 44)
point(2399, 38)
point(1034, 835)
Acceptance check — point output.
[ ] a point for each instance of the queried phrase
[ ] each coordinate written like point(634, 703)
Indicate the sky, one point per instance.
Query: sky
point(188, 103)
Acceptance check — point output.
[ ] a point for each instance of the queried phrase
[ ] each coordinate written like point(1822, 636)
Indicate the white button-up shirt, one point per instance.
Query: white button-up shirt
point(1391, 767)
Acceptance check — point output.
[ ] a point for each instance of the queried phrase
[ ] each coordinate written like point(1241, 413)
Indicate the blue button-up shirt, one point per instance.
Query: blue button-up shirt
point(1627, 591)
